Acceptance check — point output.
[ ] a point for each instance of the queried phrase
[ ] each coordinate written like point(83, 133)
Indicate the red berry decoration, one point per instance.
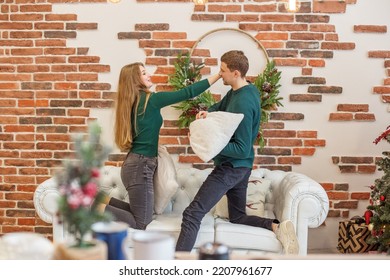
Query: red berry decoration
point(367, 216)
point(382, 198)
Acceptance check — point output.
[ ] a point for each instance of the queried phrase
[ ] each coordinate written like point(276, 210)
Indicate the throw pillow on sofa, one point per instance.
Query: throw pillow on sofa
point(210, 135)
point(256, 194)
point(165, 183)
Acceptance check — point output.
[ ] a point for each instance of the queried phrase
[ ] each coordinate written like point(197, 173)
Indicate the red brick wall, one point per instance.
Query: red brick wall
point(47, 90)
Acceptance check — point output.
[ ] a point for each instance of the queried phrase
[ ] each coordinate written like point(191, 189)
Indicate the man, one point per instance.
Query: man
point(233, 165)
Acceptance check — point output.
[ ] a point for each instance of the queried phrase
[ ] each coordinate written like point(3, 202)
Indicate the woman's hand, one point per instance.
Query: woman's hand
point(213, 78)
point(201, 115)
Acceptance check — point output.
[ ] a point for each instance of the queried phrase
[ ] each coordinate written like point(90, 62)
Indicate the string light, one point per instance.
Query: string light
point(292, 5)
point(200, 2)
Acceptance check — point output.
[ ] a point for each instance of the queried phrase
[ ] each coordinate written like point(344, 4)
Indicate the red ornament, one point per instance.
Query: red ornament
point(367, 216)
point(382, 198)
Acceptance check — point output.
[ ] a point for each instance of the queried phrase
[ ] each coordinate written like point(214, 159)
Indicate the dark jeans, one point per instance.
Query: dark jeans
point(223, 179)
point(137, 176)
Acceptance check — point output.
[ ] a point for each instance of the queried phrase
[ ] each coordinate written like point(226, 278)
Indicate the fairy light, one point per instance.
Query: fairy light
point(292, 5)
point(199, 2)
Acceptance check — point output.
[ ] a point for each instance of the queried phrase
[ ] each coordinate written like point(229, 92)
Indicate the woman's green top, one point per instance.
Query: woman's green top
point(149, 122)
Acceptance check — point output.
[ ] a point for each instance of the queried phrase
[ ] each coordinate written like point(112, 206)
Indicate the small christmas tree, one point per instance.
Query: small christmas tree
point(380, 201)
point(78, 184)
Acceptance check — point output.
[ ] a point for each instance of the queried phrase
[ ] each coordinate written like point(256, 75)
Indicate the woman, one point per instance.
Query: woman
point(137, 126)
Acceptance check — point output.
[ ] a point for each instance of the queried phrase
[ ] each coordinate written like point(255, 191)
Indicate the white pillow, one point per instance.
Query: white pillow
point(165, 183)
point(256, 193)
point(210, 135)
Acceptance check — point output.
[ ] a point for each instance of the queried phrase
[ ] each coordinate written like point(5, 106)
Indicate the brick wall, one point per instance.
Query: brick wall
point(48, 89)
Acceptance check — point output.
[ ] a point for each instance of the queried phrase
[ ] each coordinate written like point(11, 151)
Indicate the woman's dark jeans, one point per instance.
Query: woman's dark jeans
point(137, 175)
point(223, 179)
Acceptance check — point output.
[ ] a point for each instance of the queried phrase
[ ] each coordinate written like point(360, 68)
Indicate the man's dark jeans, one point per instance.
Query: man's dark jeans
point(223, 179)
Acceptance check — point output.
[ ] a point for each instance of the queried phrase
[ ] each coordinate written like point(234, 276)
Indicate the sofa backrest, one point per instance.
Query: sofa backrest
point(111, 182)
point(274, 176)
point(190, 180)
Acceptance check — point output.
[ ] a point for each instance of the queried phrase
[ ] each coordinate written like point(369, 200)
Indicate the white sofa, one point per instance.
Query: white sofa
point(293, 196)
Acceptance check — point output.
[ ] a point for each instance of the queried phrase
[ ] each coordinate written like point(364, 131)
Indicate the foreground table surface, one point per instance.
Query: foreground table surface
point(364, 256)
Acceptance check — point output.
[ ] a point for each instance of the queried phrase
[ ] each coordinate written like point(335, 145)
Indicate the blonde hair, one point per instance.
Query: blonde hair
point(127, 100)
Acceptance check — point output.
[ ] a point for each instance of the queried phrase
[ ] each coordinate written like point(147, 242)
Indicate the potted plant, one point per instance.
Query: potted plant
point(78, 184)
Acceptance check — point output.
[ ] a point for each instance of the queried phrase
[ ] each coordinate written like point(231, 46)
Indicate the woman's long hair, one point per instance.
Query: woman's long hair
point(128, 96)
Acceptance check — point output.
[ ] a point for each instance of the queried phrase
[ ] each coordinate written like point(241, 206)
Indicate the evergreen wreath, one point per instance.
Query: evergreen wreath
point(268, 84)
point(187, 73)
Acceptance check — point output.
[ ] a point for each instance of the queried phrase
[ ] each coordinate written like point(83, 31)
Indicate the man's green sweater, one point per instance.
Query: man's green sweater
point(149, 122)
point(239, 151)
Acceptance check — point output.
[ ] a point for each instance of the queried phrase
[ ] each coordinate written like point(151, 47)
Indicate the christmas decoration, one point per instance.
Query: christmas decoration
point(353, 236)
point(186, 73)
point(268, 85)
point(380, 201)
point(78, 185)
point(367, 216)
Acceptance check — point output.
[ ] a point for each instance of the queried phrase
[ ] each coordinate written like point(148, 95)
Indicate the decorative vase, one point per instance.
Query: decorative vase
point(97, 251)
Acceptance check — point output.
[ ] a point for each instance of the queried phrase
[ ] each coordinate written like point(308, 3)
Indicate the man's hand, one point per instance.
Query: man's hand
point(201, 115)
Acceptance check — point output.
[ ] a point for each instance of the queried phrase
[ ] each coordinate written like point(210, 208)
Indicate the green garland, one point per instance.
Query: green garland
point(187, 73)
point(268, 85)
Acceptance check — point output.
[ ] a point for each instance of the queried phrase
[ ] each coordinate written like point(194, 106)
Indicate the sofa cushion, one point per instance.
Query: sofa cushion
point(165, 182)
point(256, 194)
point(246, 237)
point(208, 136)
point(171, 224)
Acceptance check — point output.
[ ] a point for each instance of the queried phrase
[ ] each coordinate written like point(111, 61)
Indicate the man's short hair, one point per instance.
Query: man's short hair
point(236, 60)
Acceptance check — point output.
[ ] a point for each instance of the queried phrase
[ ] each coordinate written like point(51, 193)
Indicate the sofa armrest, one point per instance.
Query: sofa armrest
point(46, 198)
point(303, 201)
